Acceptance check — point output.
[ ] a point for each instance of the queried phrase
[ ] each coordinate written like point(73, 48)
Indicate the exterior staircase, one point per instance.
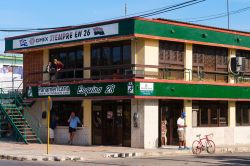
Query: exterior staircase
point(12, 111)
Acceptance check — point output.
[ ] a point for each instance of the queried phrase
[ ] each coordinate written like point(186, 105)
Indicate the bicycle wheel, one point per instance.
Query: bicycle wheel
point(196, 147)
point(210, 146)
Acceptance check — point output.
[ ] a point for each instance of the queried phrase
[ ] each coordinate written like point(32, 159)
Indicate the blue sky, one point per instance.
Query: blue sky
point(53, 13)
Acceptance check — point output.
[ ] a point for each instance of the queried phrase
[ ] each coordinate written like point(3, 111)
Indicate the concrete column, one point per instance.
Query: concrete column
point(151, 56)
point(145, 52)
point(87, 60)
point(87, 119)
point(137, 56)
point(146, 134)
point(45, 63)
point(188, 61)
point(231, 113)
point(188, 109)
point(231, 53)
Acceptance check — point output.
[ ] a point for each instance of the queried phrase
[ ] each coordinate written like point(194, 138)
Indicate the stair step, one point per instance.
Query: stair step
point(26, 131)
point(32, 139)
point(21, 125)
point(30, 135)
point(9, 105)
point(15, 115)
point(17, 118)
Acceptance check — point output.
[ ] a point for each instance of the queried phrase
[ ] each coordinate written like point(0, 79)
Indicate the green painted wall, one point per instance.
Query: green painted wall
point(195, 91)
point(186, 33)
point(133, 26)
point(80, 90)
point(5, 59)
point(175, 90)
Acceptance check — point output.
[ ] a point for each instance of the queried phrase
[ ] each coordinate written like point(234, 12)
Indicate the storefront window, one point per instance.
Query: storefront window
point(109, 55)
point(171, 55)
point(72, 59)
point(210, 63)
point(63, 109)
point(210, 113)
point(242, 113)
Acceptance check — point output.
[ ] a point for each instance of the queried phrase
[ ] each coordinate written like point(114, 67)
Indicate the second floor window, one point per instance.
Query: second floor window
point(210, 63)
point(171, 57)
point(110, 56)
point(72, 59)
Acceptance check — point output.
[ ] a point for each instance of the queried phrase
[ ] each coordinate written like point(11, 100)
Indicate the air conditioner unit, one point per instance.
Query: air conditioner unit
point(238, 64)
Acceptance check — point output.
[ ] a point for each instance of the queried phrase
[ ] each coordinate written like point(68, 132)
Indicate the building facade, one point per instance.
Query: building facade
point(11, 71)
point(124, 78)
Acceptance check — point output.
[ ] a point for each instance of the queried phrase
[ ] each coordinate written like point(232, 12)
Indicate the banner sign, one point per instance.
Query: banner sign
point(82, 90)
point(68, 35)
point(146, 88)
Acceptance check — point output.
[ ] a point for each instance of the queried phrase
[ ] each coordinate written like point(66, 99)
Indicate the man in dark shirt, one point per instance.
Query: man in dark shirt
point(53, 124)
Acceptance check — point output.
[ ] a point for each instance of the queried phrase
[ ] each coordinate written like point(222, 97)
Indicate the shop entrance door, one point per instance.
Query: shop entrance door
point(113, 127)
point(111, 123)
point(170, 111)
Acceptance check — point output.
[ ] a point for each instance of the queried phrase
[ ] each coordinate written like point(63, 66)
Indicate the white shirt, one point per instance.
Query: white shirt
point(180, 122)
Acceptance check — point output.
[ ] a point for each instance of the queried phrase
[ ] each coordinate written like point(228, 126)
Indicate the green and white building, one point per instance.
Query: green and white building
point(124, 77)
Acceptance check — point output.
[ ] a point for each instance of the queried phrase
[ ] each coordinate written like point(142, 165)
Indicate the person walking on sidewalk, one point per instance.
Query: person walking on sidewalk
point(181, 131)
point(73, 122)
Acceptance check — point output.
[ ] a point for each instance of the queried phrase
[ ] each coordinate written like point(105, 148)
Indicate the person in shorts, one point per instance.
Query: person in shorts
point(181, 131)
point(73, 122)
point(53, 124)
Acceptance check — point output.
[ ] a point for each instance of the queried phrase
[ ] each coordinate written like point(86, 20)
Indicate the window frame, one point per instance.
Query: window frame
point(239, 108)
point(218, 106)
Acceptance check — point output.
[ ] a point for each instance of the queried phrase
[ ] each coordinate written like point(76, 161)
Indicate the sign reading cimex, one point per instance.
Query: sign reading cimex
point(67, 35)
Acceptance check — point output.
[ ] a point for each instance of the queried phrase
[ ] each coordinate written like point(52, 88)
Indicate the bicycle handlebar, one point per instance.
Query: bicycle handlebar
point(211, 134)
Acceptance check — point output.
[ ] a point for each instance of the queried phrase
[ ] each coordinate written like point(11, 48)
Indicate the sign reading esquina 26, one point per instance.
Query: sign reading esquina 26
point(68, 35)
point(83, 90)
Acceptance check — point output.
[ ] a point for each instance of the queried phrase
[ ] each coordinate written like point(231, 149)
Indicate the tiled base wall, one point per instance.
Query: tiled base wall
point(222, 136)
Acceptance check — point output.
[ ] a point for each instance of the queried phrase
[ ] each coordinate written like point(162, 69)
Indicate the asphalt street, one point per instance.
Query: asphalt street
point(217, 159)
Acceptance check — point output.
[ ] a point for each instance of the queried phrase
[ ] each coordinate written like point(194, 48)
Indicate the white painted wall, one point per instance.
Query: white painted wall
point(146, 134)
point(223, 136)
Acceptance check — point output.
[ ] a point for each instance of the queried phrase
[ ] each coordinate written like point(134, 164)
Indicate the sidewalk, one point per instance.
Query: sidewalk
point(37, 152)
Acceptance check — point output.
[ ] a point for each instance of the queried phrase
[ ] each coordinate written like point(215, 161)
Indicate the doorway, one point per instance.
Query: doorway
point(111, 121)
point(169, 112)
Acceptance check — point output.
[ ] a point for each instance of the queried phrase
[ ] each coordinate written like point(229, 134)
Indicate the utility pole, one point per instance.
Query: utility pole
point(125, 9)
point(228, 17)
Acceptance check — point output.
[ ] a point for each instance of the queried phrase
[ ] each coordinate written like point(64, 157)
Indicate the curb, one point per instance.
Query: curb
point(174, 152)
point(40, 158)
point(122, 155)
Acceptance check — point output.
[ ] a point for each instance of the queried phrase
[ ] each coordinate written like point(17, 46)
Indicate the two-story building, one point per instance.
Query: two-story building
point(124, 77)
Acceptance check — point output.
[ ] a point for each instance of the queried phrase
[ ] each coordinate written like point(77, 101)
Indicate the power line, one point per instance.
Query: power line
point(220, 15)
point(173, 7)
point(140, 14)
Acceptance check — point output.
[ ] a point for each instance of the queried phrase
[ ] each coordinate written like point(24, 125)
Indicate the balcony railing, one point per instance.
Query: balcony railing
point(105, 72)
point(131, 71)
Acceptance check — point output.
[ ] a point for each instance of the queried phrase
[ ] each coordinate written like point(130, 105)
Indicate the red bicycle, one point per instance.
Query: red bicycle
point(203, 144)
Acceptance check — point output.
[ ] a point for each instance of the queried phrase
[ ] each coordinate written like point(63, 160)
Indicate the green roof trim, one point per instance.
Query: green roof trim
point(165, 29)
point(187, 33)
point(7, 57)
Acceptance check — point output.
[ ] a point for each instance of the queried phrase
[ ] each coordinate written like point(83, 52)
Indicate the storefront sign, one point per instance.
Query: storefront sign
point(53, 91)
point(146, 88)
point(82, 90)
point(65, 36)
point(86, 91)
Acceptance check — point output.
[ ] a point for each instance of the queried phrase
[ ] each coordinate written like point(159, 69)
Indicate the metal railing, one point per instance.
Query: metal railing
point(131, 71)
point(107, 72)
point(15, 97)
